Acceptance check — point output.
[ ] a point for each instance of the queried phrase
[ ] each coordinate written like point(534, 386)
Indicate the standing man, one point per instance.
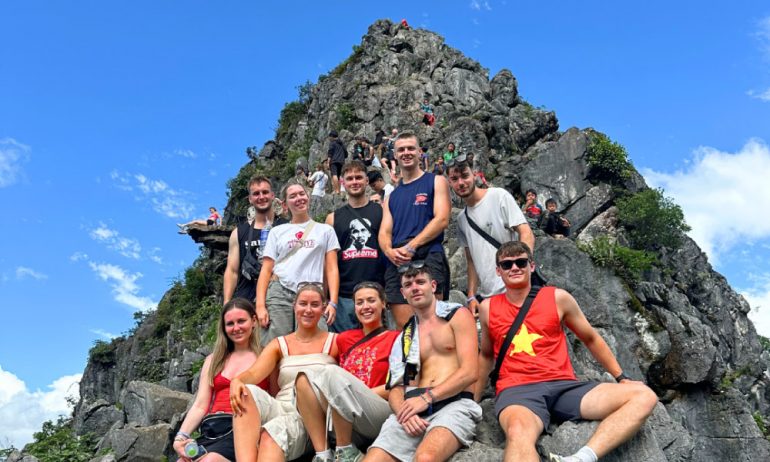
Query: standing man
point(536, 379)
point(496, 219)
point(414, 218)
point(337, 155)
point(432, 421)
point(357, 226)
point(247, 242)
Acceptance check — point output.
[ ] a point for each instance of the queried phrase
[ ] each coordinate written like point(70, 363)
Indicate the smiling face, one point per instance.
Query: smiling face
point(261, 196)
point(515, 277)
point(308, 308)
point(462, 181)
point(369, 307)
point(297, 199)
point(239, 326)
point(407, 152)
point(418, 290)
point(355, 182)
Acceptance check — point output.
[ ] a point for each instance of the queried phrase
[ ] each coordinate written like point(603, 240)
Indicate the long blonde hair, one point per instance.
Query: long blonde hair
point(223, 345)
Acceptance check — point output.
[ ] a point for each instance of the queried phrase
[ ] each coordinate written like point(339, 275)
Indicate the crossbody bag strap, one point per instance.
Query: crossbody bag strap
point(367, 337)
point(299, 245)
point(512, 333)
point(495, 243)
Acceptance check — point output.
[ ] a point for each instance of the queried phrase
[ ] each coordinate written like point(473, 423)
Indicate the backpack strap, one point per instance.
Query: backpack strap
point(495, 243)
point(512, 333)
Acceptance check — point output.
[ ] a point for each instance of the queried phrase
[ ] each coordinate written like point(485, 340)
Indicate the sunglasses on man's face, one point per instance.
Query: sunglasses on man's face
point(457, 160)
point(520, 263)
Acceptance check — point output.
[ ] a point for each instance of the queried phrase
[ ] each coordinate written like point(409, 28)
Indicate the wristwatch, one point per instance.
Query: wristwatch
point(622, 376)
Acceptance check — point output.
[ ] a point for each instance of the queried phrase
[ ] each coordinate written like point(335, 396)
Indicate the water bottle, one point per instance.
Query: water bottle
point(263, 239)
point(193, 450)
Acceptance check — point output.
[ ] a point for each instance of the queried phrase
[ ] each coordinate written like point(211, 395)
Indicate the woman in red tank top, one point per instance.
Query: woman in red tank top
point(235, 350)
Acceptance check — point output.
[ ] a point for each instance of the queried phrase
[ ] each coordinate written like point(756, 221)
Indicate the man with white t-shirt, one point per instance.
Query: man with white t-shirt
point(377, 182)
point(318, 181)
point(493, 211)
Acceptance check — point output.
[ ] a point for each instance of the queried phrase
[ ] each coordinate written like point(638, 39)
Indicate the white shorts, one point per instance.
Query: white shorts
point(282, 422)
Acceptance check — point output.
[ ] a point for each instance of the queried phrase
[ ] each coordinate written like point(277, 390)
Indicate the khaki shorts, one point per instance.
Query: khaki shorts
point(282, 422)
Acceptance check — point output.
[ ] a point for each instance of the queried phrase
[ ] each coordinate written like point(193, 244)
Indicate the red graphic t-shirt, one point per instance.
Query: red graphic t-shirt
point(369, 360)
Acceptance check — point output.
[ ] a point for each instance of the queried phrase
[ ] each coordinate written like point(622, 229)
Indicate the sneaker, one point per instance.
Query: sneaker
point(318, 458)
point(351, 454)
point(557, 458)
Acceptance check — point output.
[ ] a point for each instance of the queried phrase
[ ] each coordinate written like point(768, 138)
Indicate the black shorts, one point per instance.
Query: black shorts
point(438, 265)
point(210, 222)
point(336, 169)
point(223, 446)
point(560, 399)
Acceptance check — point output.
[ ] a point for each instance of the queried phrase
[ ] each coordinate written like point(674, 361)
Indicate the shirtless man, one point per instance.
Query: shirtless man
point(433, 421)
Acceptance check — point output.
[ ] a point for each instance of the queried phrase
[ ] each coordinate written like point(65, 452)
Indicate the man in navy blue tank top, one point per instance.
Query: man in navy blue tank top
point(414, 218)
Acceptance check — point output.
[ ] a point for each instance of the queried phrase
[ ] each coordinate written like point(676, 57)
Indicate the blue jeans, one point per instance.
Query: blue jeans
point(346, 316)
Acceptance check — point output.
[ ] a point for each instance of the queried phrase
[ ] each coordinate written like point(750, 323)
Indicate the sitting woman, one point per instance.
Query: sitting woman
point(213, 220)
point(236, 348)
point(356, 391)
point(271, 429)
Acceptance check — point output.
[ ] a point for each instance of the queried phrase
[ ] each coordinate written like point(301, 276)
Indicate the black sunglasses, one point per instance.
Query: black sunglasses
point(459, 159)
point(506, 265)
point(417, 264)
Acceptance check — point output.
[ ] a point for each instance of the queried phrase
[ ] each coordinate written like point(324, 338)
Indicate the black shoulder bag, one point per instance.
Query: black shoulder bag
point(512, 333)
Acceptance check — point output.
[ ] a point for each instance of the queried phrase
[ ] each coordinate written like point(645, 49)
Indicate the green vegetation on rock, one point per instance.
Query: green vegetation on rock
point(652, 220)
point(102, 352)
point(56, 442)
point(608, 160)
point(629, 264)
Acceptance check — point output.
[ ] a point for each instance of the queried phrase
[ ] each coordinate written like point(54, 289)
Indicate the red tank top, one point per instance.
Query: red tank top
point(538, 352)
point(221, 392)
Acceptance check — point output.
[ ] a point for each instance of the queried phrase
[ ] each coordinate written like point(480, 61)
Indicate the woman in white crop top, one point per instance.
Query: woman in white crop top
point(269, 428)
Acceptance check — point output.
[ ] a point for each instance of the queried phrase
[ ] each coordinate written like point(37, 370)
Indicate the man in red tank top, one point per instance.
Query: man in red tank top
point(536, 379)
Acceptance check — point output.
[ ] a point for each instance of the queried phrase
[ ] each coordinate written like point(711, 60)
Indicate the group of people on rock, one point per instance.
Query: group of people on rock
point(314, 352)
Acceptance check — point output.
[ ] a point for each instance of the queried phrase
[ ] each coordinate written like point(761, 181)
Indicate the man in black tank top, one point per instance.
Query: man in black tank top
point(246, 241)
point(357, 225)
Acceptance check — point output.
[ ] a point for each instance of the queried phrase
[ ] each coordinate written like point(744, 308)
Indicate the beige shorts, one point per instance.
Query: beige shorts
point(282, 422)
point(352, 399)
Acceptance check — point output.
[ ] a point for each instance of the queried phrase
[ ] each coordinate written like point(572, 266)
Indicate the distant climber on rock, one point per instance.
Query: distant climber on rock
point(439, 167)
point(532, 209)
point(424, 158)
point(377, 182)
point(337, 156)
point(554, 223)
point(532, 373)
point(390, 157)
point(318, 181)
point(247, 242)
point(481, 179)
point(490, 217)
point(414, 218)
point(212, 220)
point(428, 117)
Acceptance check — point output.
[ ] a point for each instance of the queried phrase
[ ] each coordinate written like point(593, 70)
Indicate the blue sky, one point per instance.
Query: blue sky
point(119, 119)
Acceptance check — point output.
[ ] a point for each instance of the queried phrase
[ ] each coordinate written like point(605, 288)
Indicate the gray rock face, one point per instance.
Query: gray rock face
point(138, 444)
point(17, 456)
point(97, 417)
point(149, 403)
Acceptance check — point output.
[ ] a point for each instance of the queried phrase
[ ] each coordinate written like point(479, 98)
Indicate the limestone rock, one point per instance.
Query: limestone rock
point(97, 417)
point(138, 444)
point(148, 403)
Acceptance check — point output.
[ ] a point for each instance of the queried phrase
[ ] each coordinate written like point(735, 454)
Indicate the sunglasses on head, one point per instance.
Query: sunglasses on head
point(417, 264)
point(459, 159)
point(520, 263)
point(304, 284)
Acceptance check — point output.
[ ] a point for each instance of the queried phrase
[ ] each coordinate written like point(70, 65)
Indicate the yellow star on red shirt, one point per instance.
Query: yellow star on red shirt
point(523, 341)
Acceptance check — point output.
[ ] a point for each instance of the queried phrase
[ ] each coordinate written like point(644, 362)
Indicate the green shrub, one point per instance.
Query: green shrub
point(763, 427)
point(304, 91)
point(765, 342)
point(102, 352)
point(346, 116)
point(56, 442)
point(652, 220)
point(627, 263)
point(290, 116)
point(608, 160)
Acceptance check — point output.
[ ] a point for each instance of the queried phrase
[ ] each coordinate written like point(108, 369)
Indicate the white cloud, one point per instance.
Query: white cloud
point(22, 272)
point(104, 334)
point(153, 255)
point(79, 256)
point(762, 95)
point(759, 300)
point(125, 246)
point(12, 155)
point(164, 199)
point(185, 153)
point(124, 286)
point(722, 195)
point(479, 4)
point(22, 411)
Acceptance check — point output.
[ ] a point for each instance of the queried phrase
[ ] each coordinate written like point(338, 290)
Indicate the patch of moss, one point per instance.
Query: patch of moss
point(358, 51)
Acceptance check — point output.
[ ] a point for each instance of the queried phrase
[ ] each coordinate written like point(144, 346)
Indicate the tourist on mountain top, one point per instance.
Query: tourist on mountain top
point(433, 367)
point(439, 167)
point(361, 151)
point(554, 223)
point(212, 220)
point(377, 182)
point(428, 118)
point(532, 209)
point(357, 226)
point(267, 428)
point(390, 157)
point(355, 391)
point(296, 252)
point(235, 350)
point(318, 181)
point(337, 156)
point(481, 180)
point(424, 158)
point(496, 219)
point(449, 153)
point(414, 218)
point(536, 380)
point(379, 145)
point(247, 242)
